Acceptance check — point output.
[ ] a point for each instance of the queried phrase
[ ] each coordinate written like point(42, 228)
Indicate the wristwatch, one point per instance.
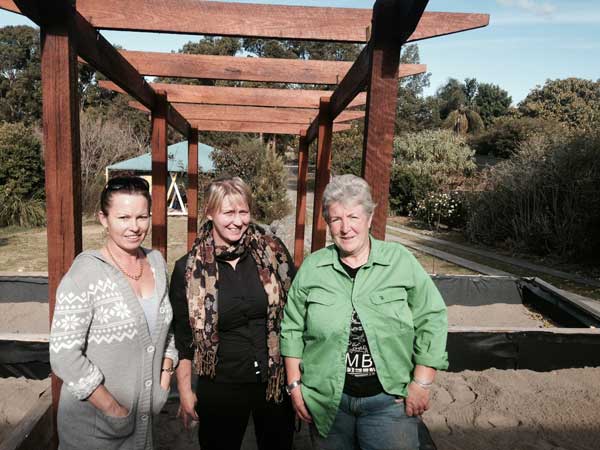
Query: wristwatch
point(293, 385)
point(169, 370)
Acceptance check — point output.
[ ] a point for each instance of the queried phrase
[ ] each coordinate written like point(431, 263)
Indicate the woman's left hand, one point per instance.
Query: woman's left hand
point(417, 401)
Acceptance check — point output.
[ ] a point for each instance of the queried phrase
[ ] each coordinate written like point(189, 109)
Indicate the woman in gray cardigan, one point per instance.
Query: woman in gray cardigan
point(110, 340)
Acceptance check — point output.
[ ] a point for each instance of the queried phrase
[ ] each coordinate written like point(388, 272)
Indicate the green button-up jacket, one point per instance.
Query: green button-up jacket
point(402, 313)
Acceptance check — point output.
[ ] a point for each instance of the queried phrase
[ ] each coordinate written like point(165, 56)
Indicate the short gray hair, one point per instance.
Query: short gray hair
point(347, 189)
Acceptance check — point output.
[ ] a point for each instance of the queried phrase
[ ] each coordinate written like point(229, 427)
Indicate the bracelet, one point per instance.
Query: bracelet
point(169, 370)
point(423, 384)
point(290, 387)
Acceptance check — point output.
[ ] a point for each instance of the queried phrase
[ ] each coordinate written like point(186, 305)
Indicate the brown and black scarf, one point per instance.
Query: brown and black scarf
point(202, 279)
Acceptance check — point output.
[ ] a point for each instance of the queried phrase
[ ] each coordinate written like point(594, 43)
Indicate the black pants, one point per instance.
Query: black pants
point(224, 409)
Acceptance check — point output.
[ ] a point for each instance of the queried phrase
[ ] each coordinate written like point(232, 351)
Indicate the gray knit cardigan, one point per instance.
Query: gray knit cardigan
point(99, 336)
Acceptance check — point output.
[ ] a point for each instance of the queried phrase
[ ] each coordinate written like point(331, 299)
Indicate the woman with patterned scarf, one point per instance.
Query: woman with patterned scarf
point(228, 295)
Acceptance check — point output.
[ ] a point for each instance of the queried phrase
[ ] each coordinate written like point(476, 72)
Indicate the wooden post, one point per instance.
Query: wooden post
point(159, 173)
point(60, 114)
point(322, 174)
point(381, 113)
point(301, 200)
point(192, 187)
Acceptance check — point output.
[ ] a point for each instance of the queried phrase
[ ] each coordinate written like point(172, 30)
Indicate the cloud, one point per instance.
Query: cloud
point(538, 8)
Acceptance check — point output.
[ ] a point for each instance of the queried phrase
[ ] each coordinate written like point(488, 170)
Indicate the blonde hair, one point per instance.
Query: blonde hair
point(225, 187)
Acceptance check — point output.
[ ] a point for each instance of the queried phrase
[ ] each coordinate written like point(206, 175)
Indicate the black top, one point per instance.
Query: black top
point(242, 309)
point(361, 374)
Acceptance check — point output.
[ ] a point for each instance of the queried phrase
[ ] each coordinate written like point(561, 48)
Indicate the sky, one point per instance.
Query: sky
point(526, 43)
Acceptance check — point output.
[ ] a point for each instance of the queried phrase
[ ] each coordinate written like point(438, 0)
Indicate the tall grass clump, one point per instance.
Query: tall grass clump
point(546, 199)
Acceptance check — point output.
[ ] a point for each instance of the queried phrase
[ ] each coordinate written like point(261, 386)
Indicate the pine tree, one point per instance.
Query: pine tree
point(270, 187)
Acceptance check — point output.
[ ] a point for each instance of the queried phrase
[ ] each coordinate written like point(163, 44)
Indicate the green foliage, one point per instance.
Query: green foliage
point(347, 151)
point(21, 212)
point(20, 79)
point(440, 208)
point(545, 199)
point(463, 121)
point(414, 112)
point(492, 102)
point(241, 159)
point(407, 187)
point(21, 164)
point(263, 170)
point(270, 187)
point(503, 138)
point(427, 161)
point(21, 176)
point(574, 102)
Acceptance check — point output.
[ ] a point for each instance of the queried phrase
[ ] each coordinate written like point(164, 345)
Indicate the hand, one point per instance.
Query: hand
point(417, 401)
point(116, 410)
point(165, 380)
point(299, 406)
point(187, 408)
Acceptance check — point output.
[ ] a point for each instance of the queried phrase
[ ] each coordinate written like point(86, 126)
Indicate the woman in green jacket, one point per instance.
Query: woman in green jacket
point(364, 331)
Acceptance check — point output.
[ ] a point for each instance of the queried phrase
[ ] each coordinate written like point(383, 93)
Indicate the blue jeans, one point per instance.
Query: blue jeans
point(369, 423)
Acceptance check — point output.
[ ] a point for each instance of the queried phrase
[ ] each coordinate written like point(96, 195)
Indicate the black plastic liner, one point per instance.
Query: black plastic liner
point(23, 289)
point(24, 359)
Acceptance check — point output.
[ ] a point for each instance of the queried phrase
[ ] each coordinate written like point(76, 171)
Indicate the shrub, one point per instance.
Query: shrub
point(428, 161)
point(439, 208)
point(407, 187)
point(546, 199)
point(503, 138)
point(21, 212)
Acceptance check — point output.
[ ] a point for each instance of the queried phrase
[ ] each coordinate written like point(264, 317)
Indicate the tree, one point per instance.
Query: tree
point(492, 102)
point(21, 176)
point(457, 106)
point(270, 187)
point(414, 112)
point(103, 141)
point(573, 102)
point(20, 79)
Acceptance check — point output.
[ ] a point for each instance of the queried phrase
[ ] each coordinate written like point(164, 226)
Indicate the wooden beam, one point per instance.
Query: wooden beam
point(257, 127)
point(323, 172)
point(254, 20)
point(96, 51)
point(220, 95)
point(256, 113)
point(60, 118)
point(192, 188)
point(301, 200)
point(354, 82)
point(381, 100)
point(9, 5)
point(246, 126)
point(159, 174)
point(236, 68)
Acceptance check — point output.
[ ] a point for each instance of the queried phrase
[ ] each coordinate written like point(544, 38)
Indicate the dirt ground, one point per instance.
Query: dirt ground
point(493, 409)
point(17, 396)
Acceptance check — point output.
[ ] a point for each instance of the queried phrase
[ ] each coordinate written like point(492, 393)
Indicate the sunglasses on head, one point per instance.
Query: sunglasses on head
point(129, 183)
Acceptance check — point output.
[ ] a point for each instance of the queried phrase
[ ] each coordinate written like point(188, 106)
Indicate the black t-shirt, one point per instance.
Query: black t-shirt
point(242, 356)
point(361, 373)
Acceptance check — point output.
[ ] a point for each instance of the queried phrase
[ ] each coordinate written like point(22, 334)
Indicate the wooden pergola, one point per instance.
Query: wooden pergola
point(70, 30)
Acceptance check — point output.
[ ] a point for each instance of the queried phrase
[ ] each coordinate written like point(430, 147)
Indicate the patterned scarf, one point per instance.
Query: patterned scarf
point(202, 284)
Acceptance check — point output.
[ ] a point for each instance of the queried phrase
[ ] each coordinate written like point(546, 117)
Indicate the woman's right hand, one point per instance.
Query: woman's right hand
point(116, 410)
point(187, 408)
point(299, 406)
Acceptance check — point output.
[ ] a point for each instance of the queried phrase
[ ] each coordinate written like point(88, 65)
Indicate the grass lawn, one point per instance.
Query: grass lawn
point(25, 250)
